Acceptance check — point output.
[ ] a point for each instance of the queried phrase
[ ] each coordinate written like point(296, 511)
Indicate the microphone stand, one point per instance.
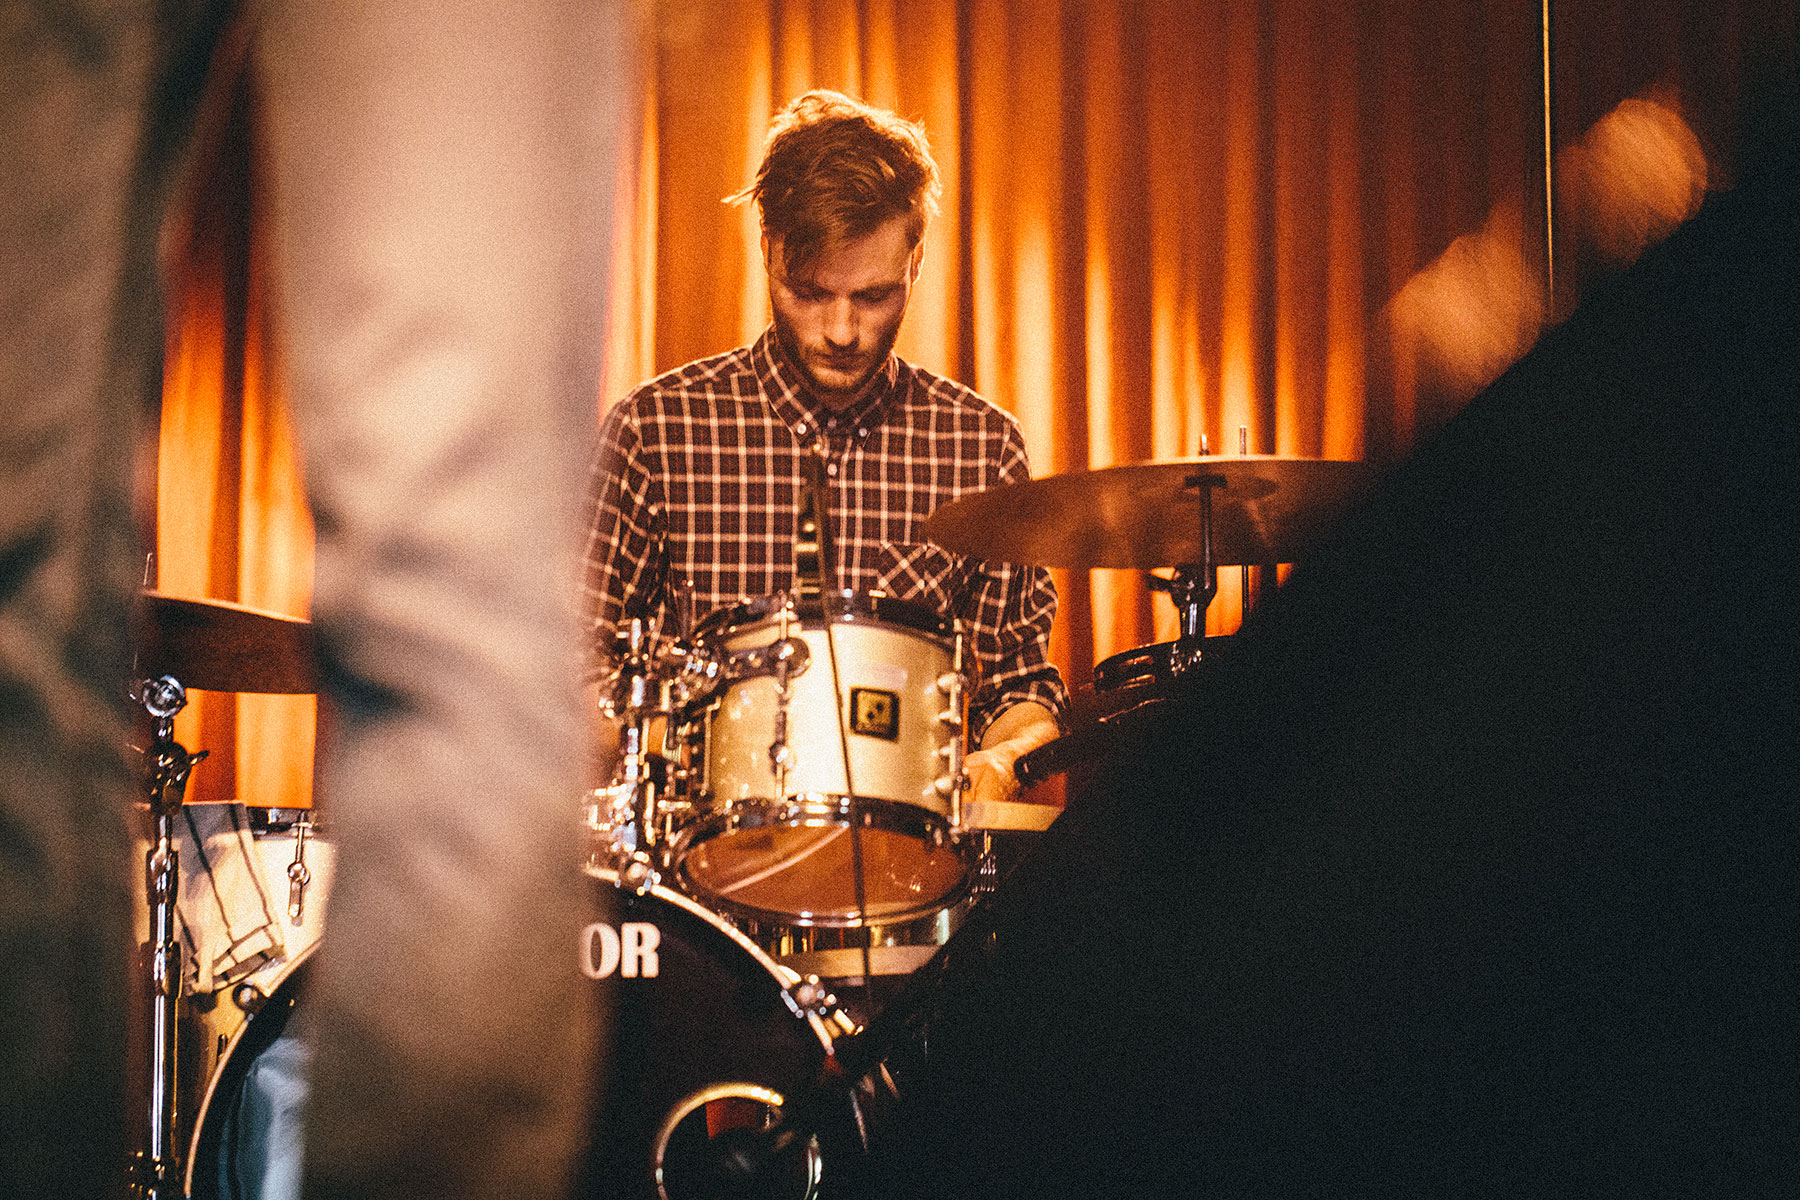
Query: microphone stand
point(815, 564)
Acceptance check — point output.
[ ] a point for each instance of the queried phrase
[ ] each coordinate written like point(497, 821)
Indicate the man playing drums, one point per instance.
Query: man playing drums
point(700, 478)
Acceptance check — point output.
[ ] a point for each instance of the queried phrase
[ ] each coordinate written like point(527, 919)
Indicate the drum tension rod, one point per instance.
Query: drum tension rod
point(298, 873)
point(790, 660)
point(629, 698)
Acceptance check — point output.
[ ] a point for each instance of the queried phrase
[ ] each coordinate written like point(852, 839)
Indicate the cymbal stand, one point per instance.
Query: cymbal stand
point(168, 766)
point(1194, 585)
point(632, 703)
point(1244, 570)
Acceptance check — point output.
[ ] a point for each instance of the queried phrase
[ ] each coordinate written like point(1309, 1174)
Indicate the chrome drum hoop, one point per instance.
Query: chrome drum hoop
point(846, 607)
point(834, 898)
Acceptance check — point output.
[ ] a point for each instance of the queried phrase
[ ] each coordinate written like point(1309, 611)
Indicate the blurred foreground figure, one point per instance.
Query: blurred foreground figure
point(1474, 872)
point(78, 334)
point(438, 175)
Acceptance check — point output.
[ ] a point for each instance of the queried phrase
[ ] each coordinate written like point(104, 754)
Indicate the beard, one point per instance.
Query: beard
point(798, 354)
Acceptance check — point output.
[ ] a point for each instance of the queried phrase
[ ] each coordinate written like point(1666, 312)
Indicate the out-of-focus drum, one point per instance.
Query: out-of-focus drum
point(710, 1034)
point(1146, 671)
point(773, 772)
point(252, 894)
point(240, 923)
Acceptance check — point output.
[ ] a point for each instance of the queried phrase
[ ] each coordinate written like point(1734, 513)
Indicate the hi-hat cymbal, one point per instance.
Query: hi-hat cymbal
point(218, 646)
point(1266, 509)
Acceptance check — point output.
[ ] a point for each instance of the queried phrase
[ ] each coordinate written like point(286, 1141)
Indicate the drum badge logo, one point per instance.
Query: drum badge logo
point(630, 950)
point(875, 713)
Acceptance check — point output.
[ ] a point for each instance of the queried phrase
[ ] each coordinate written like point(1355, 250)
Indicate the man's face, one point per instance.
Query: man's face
point(837, 318)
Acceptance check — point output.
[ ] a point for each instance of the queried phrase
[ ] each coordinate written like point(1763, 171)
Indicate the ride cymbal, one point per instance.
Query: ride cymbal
point(1266, 509)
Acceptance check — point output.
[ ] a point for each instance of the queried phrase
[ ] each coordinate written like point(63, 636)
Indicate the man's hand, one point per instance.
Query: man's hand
point(1014, 733)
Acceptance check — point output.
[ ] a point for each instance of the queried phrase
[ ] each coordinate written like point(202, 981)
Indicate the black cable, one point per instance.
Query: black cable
point(829, 597)
point(856, 854)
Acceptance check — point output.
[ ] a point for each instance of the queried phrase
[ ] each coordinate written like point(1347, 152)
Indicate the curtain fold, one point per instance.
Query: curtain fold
point(232, 521)
point(1163, 222)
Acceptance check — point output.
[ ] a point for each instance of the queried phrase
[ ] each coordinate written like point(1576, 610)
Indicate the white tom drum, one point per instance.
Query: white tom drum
point(782, 762)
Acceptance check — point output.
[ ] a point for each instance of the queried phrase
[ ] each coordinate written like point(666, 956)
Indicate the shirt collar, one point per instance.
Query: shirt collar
point(794, 402)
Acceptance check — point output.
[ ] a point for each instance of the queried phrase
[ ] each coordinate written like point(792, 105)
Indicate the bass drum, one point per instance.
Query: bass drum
point(709, 1037)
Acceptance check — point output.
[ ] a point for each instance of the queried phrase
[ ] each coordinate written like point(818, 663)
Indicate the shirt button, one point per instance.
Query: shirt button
point(861, 433)
point(800, 429)
point(831, 468)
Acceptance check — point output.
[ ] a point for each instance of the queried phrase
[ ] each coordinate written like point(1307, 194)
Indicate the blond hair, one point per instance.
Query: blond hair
point(835, 169)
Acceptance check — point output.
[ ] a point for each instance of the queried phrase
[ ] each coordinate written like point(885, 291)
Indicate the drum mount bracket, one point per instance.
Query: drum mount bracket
point(787, 656)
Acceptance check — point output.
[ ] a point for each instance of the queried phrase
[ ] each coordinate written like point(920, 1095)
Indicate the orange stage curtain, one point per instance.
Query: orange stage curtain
point(232, 522)
point(1162, 221)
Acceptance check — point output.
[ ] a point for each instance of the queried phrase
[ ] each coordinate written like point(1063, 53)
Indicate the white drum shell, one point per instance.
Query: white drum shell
point(874, 661)
point(762, 845)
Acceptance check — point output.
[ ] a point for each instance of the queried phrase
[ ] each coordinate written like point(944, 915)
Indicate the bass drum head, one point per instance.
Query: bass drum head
point(704, 1045)
point(247, 1137)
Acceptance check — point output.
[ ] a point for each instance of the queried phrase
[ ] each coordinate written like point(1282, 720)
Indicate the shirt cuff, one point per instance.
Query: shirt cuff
point(1048, 692)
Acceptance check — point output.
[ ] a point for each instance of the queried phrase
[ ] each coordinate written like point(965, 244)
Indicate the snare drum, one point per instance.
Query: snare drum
point(778, 753)
point(710, 1034)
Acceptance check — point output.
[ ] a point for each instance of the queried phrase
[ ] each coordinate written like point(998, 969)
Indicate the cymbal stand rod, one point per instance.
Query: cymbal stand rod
point(162, 873)
point(159, 1170)
point(1195, 584)
point(1244, 570)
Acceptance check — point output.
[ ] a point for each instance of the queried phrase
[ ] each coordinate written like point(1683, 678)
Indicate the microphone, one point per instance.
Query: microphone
point(815, 557)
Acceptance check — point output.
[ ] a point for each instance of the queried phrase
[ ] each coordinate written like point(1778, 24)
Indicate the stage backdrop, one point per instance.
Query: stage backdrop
point(1162, 222)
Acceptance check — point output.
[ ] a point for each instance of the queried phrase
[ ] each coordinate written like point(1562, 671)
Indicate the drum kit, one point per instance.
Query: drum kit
point(786, 822)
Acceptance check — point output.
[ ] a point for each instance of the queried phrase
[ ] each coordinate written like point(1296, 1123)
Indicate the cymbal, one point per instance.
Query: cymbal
point(1267, 509)
point(218, 646)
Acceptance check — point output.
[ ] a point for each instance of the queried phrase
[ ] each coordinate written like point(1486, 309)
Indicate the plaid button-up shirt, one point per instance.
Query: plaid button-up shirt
point(696, 490)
